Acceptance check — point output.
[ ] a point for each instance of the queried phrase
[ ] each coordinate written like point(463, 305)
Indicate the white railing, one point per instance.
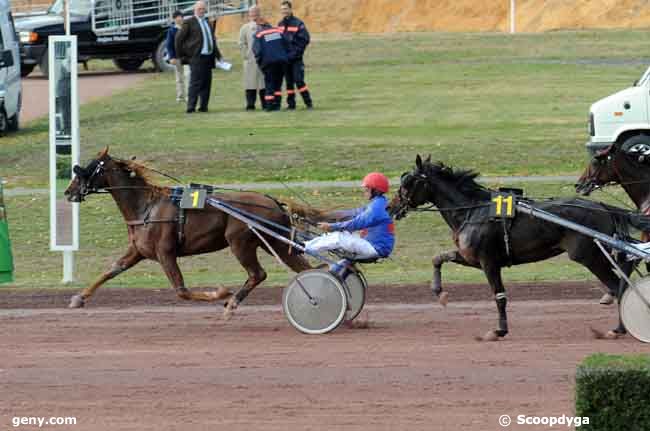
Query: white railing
point(120, 15)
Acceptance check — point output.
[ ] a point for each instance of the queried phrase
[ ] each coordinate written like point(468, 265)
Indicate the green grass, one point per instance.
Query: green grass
point(497, 103)
point(501, 104)
point(603, 361)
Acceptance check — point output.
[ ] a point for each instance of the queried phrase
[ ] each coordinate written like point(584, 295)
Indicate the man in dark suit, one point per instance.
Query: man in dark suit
point(196, 45)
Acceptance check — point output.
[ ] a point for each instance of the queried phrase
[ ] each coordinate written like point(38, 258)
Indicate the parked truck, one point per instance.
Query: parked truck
point(623, 116)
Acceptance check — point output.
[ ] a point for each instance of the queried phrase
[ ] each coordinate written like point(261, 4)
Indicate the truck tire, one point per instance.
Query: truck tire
point(636, 140)
point(26, 69)
point(128, 64)
point(44, 65)
point(13, 124)
point(4, 122)
point(159, 61)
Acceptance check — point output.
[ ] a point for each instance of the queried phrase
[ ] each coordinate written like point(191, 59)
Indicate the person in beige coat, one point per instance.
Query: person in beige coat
point(253, 77)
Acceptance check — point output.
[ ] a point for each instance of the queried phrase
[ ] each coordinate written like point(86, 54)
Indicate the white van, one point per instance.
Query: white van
point(621, 116)
point(10, 86)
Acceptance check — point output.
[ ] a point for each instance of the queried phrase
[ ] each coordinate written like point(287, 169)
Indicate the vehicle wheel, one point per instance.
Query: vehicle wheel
point(44, 65)
point(4, 122)
point(635, 314)
point(26, 69)
point(128, 64)
point(13, 124)
point(357, 287)
point(315, 302)
point(641, 142)
point(159, 61)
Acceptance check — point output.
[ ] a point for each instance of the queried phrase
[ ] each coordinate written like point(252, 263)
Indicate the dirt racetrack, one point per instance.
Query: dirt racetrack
point(412, 366)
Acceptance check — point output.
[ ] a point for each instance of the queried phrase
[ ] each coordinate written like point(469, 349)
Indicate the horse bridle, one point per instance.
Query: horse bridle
point(406, 201)
point(85, 186)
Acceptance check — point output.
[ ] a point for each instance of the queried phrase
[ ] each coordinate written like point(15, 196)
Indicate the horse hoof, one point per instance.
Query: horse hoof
point(443, 299)
point(613, 335)
point(607, 299)
point(489, 336)
point(227, 314)
point(77, 301)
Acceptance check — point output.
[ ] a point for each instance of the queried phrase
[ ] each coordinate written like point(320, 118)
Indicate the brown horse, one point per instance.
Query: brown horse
point(158, 231)
point(627, 164)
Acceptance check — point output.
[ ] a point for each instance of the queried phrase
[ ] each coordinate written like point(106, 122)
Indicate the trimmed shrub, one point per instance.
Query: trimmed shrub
point(613, 391)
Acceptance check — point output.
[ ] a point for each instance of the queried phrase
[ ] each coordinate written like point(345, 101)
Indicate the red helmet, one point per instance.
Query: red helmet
point(376, 181)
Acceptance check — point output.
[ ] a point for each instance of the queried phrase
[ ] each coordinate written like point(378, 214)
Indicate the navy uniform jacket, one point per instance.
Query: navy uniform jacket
point(269, 46)
point(296, 35)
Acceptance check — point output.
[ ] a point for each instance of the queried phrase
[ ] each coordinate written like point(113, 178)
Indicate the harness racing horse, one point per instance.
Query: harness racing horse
point(492, 245)
point(627, 164)
point(158, 231)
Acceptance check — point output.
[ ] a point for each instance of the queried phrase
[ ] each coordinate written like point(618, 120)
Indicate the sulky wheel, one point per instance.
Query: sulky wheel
point(315, 302)
point(635, 313)
point(357, 286)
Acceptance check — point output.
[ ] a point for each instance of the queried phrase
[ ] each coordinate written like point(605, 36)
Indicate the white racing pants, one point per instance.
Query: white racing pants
point(343, 240)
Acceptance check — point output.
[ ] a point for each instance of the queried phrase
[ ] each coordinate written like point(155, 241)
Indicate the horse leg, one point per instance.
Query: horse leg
point(436, 283)
point(130, 258)
point(175, 277)
point(296, 262)
point(594, 261)
point(627, 267)
point(247, 256)
point(493, 273)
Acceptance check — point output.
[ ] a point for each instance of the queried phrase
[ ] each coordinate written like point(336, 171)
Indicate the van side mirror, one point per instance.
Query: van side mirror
point(6, 59)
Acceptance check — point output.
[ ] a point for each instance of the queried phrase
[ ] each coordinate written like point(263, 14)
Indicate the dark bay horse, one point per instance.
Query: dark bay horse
point(483, 244)
point(153, 228)
point(627, 164)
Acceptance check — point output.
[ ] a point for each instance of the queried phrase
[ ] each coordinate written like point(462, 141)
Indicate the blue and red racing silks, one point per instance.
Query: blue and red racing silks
point(375, 223)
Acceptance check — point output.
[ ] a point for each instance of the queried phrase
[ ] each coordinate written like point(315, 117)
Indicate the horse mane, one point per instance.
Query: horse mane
point(465, 179)
point(145, 174)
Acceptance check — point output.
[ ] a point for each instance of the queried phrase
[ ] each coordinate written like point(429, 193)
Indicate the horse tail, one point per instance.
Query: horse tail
point(305, 212)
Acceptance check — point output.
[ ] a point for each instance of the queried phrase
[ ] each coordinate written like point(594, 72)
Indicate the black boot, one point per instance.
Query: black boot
point(306, 97)
point(262, 102)
point(250, 100)
point(291, 101)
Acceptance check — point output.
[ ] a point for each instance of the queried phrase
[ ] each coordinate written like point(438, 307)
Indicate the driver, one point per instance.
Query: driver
point(376, 236)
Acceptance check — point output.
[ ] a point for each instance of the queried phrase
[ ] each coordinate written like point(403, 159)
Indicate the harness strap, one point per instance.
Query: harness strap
point(150, 221)
point(181, 227)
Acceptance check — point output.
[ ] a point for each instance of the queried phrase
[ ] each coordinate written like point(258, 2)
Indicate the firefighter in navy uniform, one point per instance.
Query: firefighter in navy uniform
point(270, 50)
point(297, 37)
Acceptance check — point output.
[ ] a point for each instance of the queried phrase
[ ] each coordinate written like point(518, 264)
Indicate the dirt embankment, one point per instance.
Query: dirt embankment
point(381, 16)
point(385, 16)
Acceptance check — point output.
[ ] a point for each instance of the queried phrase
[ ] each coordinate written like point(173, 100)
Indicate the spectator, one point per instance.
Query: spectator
point(196, 45)
point(297, 38)
point(270, 50)
point(180, 69)
point(253, 77)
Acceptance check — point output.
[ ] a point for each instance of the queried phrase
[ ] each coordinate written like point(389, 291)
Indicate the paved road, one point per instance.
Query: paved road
point(92, 85)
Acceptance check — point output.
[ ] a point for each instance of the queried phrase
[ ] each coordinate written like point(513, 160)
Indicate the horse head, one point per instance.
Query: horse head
point(413, 190)
point(90, 179)
point(600, 171)
point(619, 163)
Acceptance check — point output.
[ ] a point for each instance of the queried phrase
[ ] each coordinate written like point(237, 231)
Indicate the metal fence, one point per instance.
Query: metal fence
point(120, 15)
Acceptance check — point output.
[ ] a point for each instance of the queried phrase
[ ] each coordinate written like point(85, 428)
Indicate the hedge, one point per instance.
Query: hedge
point(613, 391)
